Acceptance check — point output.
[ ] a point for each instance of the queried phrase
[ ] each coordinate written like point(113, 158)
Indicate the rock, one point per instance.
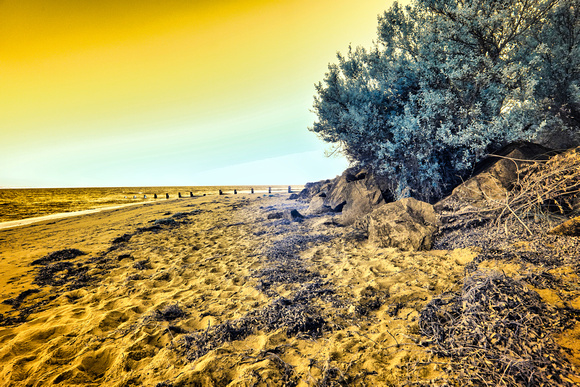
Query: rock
point(407, 224)
point(293, 215)
point(323, 223)
point(293, 197)
point(570, 227)
point(317, 206)
point(313, 189)
point(276, 215)
point(495, 175)
point(356, 194)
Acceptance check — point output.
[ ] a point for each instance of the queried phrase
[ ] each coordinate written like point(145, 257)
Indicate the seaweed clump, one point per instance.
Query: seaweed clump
point(169, 313)
point(58, 270)
point(17, 301)
point(297, 317)
point(497, 332)
point(57, 256)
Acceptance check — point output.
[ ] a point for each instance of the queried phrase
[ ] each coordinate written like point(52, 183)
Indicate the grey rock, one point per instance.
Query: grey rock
point(293, 215)
point(356, 194)
point(494, 176)
point(407, 224)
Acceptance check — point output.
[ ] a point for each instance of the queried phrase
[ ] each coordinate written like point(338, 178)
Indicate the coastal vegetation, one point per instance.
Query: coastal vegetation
point(449, 81)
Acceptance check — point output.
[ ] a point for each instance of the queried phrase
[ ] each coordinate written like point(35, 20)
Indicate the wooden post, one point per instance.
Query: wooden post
point(221, 193)
point(235, 191)
point(289, 189)
point(166, 196)
point(179, 195)
point(190, 194)
point(269, 190)
point(154, 196)
point(252, 190)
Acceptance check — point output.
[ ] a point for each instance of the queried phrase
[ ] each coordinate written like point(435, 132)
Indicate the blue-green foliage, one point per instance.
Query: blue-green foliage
point(447, 82)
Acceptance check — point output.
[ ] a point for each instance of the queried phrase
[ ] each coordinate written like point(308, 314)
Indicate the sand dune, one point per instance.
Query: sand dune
point(214, 292)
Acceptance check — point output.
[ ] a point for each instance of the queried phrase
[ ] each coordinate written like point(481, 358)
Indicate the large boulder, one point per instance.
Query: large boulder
point(314, 189)
point(356, 193)
point(495, 175)
point(317, 206)
point(293, 215)
point(407, 224)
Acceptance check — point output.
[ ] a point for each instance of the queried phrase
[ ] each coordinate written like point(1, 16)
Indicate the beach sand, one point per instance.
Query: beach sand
point(217, 291)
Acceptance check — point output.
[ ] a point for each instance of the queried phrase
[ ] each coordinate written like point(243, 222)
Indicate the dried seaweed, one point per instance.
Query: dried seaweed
point(287, 376)
point(61, 273)
point(296, 317)
point(539, 249)
point(167, 221)
point(283, 263)
point(57, 256)
point(18, 300)
point(498, 332)
point(296, 314)
point(143, 264)
point(333, 377)
point(175, 220)
point(282, 274)
point(169, 313)
point(122, 239)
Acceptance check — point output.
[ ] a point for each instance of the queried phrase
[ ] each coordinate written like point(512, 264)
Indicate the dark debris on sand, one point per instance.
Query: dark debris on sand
point(57, 256)
point(297, 314)
point(143, 264)
point(63, 271)
point(170, 313)
point(158, 225)
point(18, 300)
point(497, 332)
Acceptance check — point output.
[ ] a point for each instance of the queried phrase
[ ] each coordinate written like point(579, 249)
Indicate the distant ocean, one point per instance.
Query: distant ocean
point(22, 203)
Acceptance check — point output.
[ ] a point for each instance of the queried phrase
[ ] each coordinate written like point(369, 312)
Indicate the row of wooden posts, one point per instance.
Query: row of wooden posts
point(220, 192)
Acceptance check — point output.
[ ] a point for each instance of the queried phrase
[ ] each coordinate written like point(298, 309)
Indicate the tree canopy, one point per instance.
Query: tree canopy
point(448, 81)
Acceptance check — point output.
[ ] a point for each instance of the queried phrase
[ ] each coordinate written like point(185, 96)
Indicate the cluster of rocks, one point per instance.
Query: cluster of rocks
point(363, 200)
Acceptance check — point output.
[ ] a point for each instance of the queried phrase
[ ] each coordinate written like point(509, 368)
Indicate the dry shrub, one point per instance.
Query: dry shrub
point(544, 188)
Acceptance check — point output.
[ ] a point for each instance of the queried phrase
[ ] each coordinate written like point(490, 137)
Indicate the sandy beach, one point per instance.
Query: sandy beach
point(220, 291)
point(37, 219)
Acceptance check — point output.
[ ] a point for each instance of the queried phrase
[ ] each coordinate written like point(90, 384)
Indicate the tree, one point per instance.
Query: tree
point(447, 82)
point(558, 64)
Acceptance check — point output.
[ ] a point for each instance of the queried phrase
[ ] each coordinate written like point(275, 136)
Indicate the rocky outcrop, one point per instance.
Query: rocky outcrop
point(407, 224)
point(314, 189)
point(317, 206)
point(293, 215)
point(494, 176)
point(355, 194)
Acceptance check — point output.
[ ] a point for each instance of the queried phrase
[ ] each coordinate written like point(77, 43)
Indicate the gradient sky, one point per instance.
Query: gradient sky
point(168, 92)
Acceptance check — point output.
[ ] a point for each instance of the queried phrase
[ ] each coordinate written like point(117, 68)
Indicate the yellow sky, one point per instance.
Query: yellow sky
point(128, 92)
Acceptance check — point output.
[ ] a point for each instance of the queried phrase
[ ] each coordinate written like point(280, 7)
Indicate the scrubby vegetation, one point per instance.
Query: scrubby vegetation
point(449, 81)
